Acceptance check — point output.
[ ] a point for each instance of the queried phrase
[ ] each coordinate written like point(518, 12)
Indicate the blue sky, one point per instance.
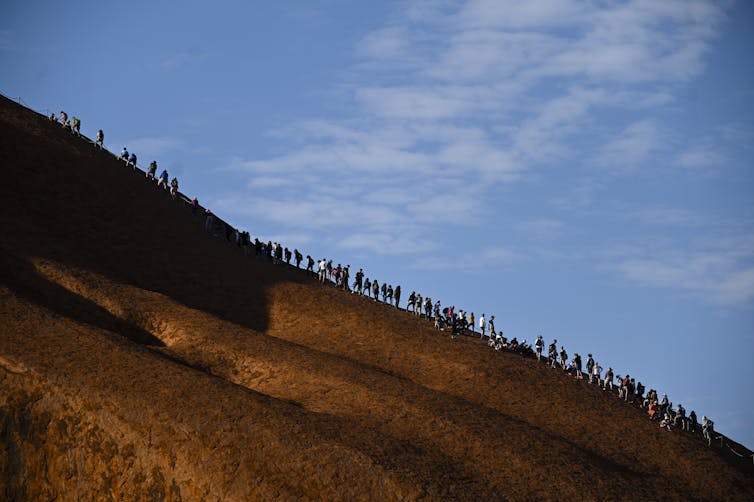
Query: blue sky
point(581, 170)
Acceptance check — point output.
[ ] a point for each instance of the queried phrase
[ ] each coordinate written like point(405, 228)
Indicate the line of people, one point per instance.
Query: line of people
point(457, 321)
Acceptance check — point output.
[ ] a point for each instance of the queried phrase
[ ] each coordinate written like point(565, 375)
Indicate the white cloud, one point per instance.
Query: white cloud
point(542, 229)
point(483, 259)
point(386, 43)
point(386, 243)
point(181, 59)
point(150, 147)
point(720, 271)
point(451, 99)
point(700, 156)
point(664, 216)
point(632, 146)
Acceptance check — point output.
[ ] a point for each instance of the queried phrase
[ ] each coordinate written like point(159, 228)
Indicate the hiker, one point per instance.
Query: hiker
point(194, 205)
point(297, 256)
point(482, 326)
point(376, 290)
point(552, 353)
point(577, 365)
point(209, 221)
point(680, 417)
point(428, 307)
point(124, 155)
point(397, 295)
point(321, 270)
point(471, 320)
point(589, 366)
point(691, 423)
point(390, 294)
point(358, 283)
point(288, 255)
point(310, 264)
point(76, 126)
point(346, 276)
point(563, 357)
point(491, 324)
point(639, 391)
point(608, 382)
point(174, 187)
point(411, 298)
point(539, 345)
point(596, 373)
point(708, 429)
point(63, 118)
point(152, 170)
point(132, 160)
point(163, 181)
point(418, 305)
point(367, 287)
point(100, 139)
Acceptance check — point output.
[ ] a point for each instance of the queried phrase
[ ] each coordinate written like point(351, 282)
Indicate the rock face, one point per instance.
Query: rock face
point(144, 359)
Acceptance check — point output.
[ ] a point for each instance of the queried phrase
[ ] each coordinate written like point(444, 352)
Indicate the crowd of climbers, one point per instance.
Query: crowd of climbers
point(455, 321)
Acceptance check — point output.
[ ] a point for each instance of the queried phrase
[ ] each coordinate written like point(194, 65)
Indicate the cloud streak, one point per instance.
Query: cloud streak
point(453, 100)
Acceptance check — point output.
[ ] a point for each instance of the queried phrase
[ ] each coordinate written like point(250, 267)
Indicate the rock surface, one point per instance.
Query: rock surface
point(143, 359)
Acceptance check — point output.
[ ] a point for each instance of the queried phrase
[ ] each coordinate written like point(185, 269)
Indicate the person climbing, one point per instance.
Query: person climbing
point(76, 126)
point(708, 429)
point(163, 181)
point(358, 284)
point(577, 364)
point(100, 139)
point(152, 169)
point(589, 366)
point(539, 345)
point(124, 155)
point(397, 295)
point(132, 160)
point(174, 187)
point(411, 298)
point(552, 353)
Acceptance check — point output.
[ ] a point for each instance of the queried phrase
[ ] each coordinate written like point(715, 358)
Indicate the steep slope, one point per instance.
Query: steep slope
point(142, 358)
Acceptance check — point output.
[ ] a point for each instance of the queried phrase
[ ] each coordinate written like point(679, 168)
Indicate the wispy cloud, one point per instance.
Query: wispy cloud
point(664, 216)
point(451, 100)
point(478, 260)
point(632, 147)
point(181, 59)
point(541, 229)
point(700, 156)
point(154, 146)
point(720, 271)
